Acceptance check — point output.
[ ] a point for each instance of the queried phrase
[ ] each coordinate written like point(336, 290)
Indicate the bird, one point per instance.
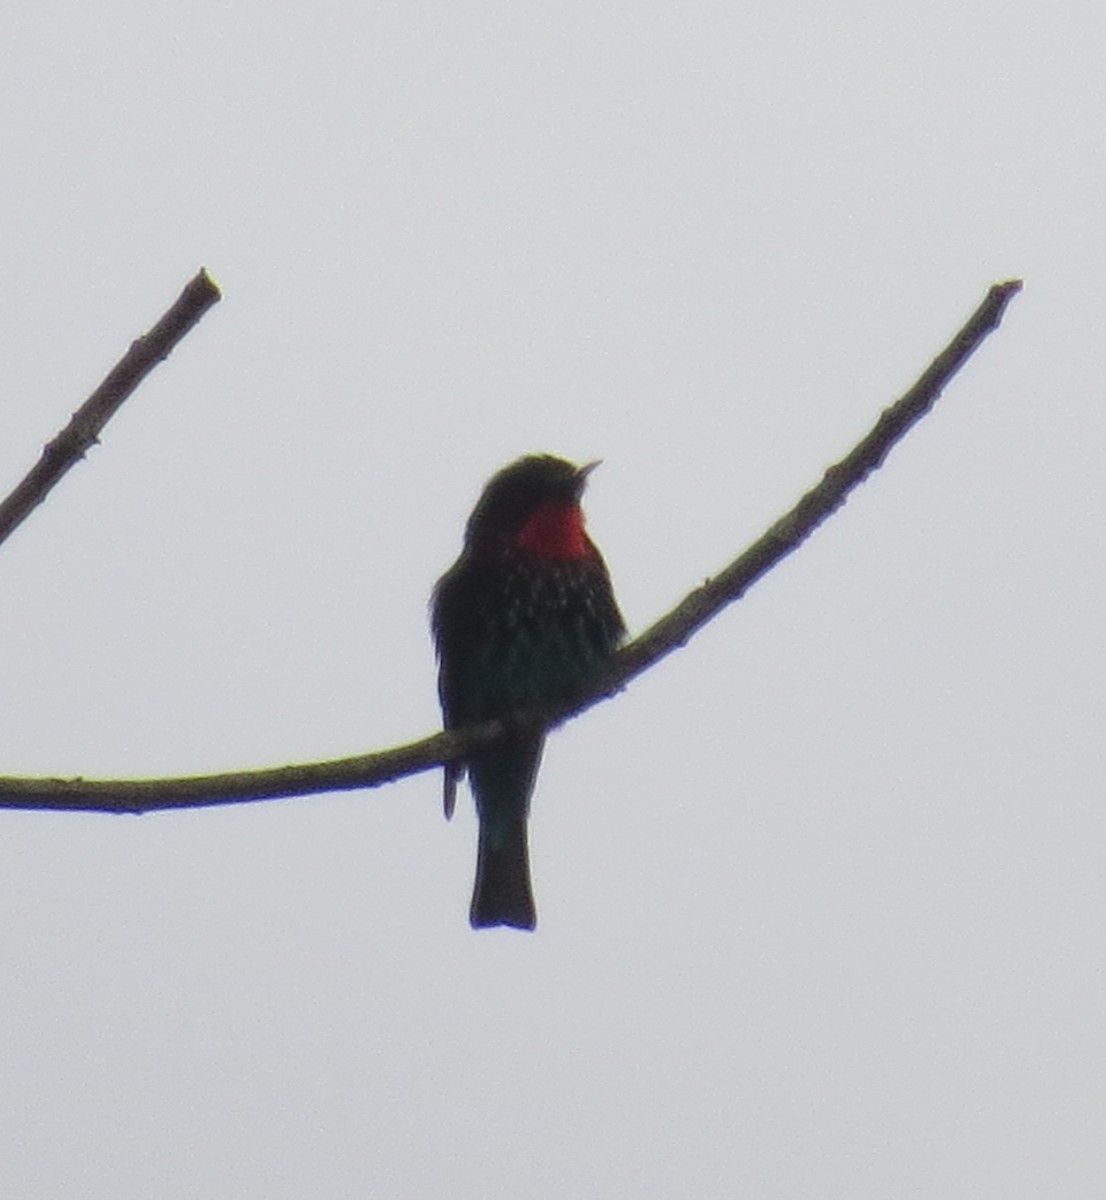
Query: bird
point(525, 618)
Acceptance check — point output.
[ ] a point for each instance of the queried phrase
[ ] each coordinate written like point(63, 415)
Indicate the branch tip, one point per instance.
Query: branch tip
point(86, 424)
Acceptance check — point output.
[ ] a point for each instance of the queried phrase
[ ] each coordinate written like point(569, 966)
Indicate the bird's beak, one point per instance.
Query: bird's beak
point(582, 474)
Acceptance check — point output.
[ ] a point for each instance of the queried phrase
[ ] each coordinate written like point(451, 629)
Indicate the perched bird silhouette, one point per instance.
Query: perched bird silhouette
point(524, 618)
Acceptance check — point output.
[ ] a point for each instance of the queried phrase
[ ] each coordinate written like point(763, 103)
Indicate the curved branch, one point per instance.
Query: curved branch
point(671, 631)
point(791, 530)
point(83, 430)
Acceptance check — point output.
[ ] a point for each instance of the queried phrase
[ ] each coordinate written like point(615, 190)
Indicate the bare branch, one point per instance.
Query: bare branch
point(792, 530)
point(236, 787)
point(671, 631)
point(83, 430)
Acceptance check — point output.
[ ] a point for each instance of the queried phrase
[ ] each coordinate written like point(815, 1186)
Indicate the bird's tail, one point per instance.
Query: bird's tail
point(502, 894)
point(502, 779)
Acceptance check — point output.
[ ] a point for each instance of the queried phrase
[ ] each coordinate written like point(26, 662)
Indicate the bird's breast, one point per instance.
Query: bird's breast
point(555, 531)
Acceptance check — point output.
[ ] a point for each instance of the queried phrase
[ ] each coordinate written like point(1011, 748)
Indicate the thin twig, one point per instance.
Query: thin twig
point(672, 630)
point(83, 430)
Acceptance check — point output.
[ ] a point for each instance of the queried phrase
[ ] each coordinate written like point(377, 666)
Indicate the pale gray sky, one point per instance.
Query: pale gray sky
point(821, 898)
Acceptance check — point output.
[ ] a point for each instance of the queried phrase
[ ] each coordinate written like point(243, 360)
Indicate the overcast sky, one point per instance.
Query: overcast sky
point(822, 896)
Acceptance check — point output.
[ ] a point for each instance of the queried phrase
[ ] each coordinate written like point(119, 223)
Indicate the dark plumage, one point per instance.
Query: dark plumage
point(525, 617)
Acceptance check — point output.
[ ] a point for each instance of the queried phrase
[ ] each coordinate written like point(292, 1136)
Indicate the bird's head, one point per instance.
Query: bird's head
point(533, 505)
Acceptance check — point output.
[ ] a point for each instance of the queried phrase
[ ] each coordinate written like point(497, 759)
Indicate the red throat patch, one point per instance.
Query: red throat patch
point(555, 531)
